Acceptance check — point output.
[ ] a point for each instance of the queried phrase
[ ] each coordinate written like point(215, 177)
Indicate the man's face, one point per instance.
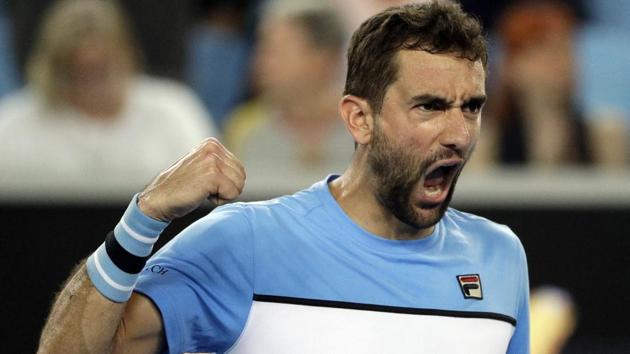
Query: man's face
point(286, 61)
point(426, 131)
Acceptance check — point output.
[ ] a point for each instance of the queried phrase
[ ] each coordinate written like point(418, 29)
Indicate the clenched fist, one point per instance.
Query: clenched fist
point(210, 171)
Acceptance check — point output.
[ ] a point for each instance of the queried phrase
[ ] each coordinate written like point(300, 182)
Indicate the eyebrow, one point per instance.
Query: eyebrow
point(428, 98)
point(480, 100)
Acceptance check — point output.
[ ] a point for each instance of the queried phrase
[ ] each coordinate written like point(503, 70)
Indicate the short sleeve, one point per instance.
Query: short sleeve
point(202, 282)
point(520, 344)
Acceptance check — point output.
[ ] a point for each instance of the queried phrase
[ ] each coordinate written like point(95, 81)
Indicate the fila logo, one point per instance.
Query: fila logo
point(471, 286)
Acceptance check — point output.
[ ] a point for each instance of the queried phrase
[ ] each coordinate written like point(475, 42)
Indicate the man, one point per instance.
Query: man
point(367, 262)
point(86, 105)
point(291, 128)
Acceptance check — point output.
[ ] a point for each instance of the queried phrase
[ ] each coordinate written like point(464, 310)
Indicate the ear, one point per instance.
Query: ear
point(357, 115)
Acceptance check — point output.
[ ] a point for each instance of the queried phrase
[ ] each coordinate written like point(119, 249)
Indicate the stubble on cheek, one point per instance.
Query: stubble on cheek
point(398, 177)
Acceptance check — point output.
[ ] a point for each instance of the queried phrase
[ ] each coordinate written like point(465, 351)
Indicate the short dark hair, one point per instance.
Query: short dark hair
point(435, 27)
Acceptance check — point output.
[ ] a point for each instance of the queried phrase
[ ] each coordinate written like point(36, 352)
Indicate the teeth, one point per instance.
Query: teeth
point(433, 190)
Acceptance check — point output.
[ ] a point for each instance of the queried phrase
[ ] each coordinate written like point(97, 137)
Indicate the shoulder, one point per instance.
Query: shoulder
point(221, 238)
point(482, 231)
point(18, 105)
point(227, 222)
point(234, 226)
point(233, 221)
point(296, 205)
point(469, 220)
point(278, 210)
point(170, 89)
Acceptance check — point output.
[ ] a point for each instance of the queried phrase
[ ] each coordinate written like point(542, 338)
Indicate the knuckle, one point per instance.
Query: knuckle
point(213, 143)
point(213, 173)
point(214, 159)
point(209, 140)
point(213, 167)
point(232, 193)
point(208, 148)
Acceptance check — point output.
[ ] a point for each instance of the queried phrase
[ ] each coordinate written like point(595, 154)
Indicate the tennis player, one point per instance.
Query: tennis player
point(370, 261)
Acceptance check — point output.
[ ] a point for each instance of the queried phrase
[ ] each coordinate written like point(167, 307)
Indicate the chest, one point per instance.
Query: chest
point(318, 291)
point(282, 327)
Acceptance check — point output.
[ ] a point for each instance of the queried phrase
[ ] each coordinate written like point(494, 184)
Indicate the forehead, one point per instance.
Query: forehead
point(442, 74)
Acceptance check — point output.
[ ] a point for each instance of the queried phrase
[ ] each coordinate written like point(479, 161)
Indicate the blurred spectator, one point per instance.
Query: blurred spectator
point(605, 80)
point(553, 319)
point(219, 47)
point(159, 29)
point(610, 13)
point(354, 12)
point(87, 119)
point(292, 127)
point(532, 116)
point(8, 71)
point(489, 11)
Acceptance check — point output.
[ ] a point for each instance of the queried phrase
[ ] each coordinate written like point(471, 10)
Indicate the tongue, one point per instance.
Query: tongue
point(434, 178)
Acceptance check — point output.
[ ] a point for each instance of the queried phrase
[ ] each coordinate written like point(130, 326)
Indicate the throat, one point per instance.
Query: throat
point(356, 197)
point(387, 225)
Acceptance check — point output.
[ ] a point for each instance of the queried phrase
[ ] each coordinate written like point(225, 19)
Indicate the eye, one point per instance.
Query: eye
point(472, 107)
point(430, 106)
point(427, 107)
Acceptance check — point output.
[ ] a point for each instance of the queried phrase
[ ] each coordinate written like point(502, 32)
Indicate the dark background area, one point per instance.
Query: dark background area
point(582, 250)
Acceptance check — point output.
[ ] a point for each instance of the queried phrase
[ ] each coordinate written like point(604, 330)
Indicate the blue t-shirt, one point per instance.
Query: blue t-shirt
point(296, 275)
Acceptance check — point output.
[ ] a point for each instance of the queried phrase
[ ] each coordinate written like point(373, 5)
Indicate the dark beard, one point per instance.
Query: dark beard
point(397, 175)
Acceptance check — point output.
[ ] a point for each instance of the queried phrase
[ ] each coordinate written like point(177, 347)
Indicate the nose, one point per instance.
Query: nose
point(457, 131)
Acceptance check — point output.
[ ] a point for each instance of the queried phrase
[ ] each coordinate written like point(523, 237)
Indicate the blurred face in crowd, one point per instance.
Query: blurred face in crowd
point(546, 63)
point(97, 76)
point(424, 134)
point(83, 57)
point(538, 44)
point(287, 64)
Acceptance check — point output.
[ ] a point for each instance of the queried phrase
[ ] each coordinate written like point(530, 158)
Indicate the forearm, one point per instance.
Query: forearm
point(89, 310)
point(81, 320)
point(97, 311)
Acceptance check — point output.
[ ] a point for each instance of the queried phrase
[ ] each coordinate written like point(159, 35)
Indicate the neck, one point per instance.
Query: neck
point(355, 191)
point(99, 112)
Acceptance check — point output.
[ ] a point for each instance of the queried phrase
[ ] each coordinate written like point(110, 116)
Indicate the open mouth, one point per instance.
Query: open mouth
point(438, 180)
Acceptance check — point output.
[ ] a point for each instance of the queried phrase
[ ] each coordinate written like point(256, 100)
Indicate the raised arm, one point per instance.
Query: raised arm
point(96, 311)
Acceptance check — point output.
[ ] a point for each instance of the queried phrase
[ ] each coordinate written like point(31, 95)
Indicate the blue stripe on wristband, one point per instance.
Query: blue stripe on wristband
point(113, 271)
point(118, 290)
point(142, 223)
point(135, 233)
point(138, 245)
